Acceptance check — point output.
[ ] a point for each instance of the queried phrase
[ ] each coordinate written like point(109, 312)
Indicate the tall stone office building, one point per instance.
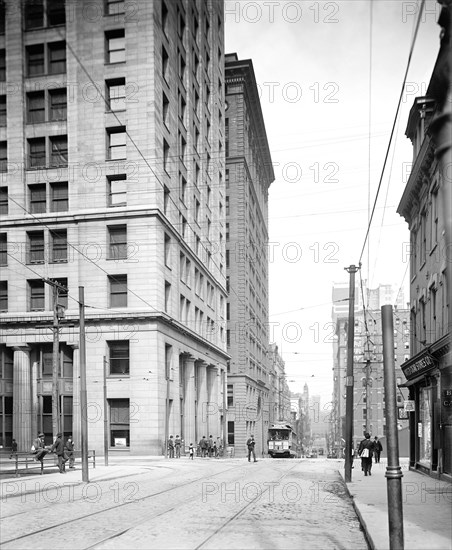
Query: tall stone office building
point(113, 179)
point(249, 174)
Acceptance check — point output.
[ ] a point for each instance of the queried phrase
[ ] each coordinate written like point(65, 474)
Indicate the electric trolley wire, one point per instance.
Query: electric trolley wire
point(393, 126)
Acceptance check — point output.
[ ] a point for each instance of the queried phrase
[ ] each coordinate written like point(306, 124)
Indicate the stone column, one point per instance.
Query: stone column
point(189, 401)
point(35, 429)
point(201, 416)
point(22, 402)
point(213, 406)
point(76, 411)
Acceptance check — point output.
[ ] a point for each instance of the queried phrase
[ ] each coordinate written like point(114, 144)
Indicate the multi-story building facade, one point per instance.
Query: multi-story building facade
point(368, 391)
point(369, 410)
point(429, 370)
point(249, 174)
point(112, 179)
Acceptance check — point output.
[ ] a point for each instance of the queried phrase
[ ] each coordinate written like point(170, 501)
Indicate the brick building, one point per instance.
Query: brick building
point(113, 178)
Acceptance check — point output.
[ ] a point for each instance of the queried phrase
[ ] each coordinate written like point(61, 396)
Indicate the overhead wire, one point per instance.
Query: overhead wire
point(393, 126)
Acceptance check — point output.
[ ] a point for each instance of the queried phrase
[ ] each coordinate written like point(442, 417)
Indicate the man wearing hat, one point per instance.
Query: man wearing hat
point(58, 449)
point(39, 448)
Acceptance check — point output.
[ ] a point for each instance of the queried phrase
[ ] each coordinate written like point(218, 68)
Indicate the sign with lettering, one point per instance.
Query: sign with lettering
point(402, 413)
point(447, 397)
point(408, 406)
point(421, 365)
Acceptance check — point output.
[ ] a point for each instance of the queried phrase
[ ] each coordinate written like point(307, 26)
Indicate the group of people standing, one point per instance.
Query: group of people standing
point(367, 450)
point(206, 447)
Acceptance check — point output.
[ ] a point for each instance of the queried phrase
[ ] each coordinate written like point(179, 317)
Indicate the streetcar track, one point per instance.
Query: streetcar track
point(67, 522)
point(240, 512)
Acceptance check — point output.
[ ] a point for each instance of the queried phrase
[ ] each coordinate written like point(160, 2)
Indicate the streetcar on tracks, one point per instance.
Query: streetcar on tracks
point(282, 441)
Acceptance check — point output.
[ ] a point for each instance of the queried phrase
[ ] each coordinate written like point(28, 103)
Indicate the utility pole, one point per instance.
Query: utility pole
point(105, 413)
point(393, 471)
point(83, 397)
point(55, 365)
point(225, 432)
point(349, 380)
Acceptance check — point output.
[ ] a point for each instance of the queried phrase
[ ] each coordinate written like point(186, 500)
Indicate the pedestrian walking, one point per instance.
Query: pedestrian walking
point(171, 447)
point(177, 444)
point(365, 452)
point(13, 449)
point(203, 446)
point(58, 449)
point(215, 449)
point(69, 450)
point(210, 446)
point(378, 447)
point(191, 451)
point(251, 444)
point(38, 448)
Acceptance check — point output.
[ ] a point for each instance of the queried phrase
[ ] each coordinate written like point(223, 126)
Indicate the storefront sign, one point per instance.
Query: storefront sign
point(419, 429)
point(447, 398)
point(120, 442)
point(419, 366)
point(408, 406)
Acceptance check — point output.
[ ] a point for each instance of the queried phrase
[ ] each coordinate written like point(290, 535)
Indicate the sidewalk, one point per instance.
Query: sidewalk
point(427, 507)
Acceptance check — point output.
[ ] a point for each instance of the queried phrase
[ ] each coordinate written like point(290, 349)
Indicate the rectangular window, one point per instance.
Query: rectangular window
point(58, 104)
point(59, 197)
point(166, 199)
point(56, 14)
point(3, 295)
point(116, 94)
point(37, 194)
point(230, 433)
point(165, 110)
point(117, 236)
point(58, 151)
point(230, 395)
point(117, 144)
point(165, 64)
point(2, 110)
point(167, 251)
point(114, 7)
point(35, 241)
point(117, 190)
point(166, 150)
point(3, 156)
point(59, 245)
point(115, 46)
point(119, 353)
point(3, 249)
point(119, 422)
point(167, 296)
point(2, 66)
point(3, 201)
point(35, 60)
point(35, 107)
point(62, 299)
point(168, 357)
point(36, 152)
point(34, 14)
point(36, 295)
point(57, 57)
point(118, 290)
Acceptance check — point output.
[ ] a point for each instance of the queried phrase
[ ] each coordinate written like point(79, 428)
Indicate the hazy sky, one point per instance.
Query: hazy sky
point(330, 75)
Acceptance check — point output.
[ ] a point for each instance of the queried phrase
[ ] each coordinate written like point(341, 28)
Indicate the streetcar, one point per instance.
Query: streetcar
point(282, 441)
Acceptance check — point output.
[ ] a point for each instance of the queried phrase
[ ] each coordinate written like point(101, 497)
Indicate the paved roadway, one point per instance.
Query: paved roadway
point(183, 504)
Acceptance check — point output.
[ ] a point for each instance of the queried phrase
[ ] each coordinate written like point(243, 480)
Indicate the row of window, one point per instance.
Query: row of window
point(55, 250)
point(117, 287)
point(54, 197)
point(52, 151)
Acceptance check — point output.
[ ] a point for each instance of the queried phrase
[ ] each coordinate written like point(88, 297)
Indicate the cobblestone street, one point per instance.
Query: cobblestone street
point(183, 504)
